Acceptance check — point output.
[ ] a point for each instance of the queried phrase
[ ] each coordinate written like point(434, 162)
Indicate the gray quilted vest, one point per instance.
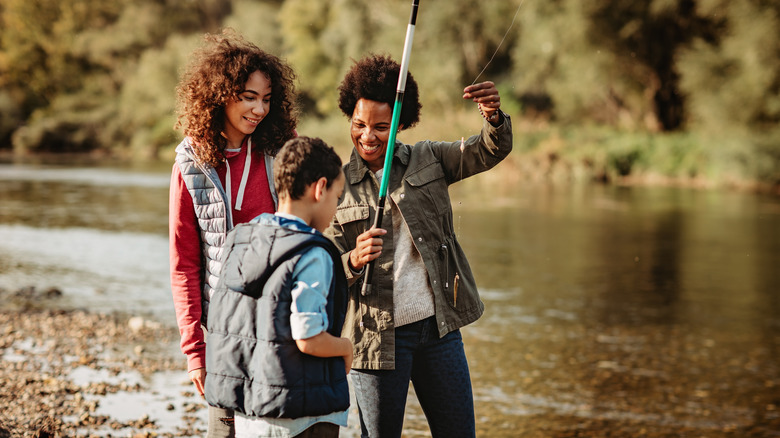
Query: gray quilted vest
point(214, 219)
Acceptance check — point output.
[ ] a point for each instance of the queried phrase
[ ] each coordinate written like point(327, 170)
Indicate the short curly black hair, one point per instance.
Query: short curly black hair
point(375, 77)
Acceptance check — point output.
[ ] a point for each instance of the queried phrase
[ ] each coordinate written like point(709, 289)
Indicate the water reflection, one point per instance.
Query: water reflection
point(105, 199)
point(622, 305)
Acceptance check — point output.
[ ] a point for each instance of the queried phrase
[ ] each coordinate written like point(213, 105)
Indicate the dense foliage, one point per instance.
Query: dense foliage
point(81, 75)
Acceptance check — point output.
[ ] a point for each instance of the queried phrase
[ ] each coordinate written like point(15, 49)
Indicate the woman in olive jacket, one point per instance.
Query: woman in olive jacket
point(407, 327)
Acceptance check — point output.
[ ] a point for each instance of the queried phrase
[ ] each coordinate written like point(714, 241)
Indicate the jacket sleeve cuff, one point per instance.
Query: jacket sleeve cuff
point(502, 116)
point(351, 274)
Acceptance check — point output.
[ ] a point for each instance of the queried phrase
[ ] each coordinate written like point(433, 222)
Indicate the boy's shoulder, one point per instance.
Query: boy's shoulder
point(256, 249)
point(283, 236)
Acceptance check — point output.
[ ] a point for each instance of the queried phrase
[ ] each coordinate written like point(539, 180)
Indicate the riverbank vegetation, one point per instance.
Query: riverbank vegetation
point(662, 91)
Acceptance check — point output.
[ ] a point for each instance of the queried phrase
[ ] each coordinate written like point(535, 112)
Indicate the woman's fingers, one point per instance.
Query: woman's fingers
point(485, 93)
point(367, 247)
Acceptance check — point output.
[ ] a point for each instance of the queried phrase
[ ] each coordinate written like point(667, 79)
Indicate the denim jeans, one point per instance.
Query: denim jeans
point(438, 370)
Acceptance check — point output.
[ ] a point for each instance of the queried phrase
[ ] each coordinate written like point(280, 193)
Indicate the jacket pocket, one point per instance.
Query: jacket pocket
point(430, 172)
point(350, 213)
point(457, 283)
point(353, 220)
point(430, 188)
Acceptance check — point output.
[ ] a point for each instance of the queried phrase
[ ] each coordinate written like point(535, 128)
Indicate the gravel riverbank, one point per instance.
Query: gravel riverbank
point(80, 373)
point(57, 366)
point(74, 372)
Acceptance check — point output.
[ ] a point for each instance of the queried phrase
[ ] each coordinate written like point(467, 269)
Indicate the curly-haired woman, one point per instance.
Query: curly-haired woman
point(406, 328)
point(235, 107)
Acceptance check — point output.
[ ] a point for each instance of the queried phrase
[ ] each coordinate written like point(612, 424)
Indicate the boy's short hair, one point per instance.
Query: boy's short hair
point(301, 162)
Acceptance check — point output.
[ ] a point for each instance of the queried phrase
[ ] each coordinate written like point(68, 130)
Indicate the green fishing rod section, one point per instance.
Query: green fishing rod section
point(390, 151)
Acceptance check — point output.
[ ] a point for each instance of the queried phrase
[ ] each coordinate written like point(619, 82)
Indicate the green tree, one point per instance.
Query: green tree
point(258, 22)
point(608, 61)
point(732, 84)
point(733, 80)
point(36, 41)
point(558, 72)
point(645, 38)
point(146, 102)
point(65, 63)
point(320, 38)
point(455, 42)
point(37, 62)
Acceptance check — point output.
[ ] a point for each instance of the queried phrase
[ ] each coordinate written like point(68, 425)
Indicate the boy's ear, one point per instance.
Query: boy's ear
point(319, 188)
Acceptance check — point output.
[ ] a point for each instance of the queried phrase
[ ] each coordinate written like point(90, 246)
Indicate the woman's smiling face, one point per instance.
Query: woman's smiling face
point(248, 109)
point(370, 130)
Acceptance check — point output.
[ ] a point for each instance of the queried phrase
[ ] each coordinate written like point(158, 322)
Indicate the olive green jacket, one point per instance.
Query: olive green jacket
point(419, 180)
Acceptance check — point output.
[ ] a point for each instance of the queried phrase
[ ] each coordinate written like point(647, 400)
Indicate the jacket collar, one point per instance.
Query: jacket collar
point(357, 169)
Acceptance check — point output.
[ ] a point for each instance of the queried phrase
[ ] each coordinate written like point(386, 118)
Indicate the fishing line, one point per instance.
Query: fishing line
point(502, 42)
point(517, 11)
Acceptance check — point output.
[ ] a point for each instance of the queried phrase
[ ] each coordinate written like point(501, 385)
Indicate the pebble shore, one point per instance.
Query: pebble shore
point(44, 350)
point(40, 348)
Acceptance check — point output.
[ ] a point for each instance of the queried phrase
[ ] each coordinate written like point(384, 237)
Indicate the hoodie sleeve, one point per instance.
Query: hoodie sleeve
point(186, 267)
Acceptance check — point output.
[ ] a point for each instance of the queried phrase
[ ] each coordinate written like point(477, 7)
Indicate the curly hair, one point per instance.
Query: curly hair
point(216, 76)
point(375, 77)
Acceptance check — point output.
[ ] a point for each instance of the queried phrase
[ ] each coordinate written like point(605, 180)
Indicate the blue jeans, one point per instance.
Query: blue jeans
point(437, 368)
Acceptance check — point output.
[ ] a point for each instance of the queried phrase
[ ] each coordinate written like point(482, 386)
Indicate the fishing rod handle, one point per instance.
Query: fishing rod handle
point(367, 276)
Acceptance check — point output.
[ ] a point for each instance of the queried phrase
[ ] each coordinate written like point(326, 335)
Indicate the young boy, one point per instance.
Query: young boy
point(276, 315)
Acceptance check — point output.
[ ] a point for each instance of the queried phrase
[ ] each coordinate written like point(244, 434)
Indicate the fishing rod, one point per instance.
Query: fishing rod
point(399, 98)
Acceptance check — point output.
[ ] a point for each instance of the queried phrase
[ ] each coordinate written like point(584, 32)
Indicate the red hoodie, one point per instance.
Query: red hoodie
point(185, 245)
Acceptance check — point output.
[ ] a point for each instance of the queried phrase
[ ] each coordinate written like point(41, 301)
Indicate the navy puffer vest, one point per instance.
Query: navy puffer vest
point(252, 361)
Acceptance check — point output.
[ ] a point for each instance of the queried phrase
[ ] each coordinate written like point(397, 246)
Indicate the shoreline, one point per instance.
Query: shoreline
point(537, 166)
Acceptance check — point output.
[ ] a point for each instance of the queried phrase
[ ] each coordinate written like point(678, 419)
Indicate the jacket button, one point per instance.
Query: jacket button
point(419, 239)
point(402, 195)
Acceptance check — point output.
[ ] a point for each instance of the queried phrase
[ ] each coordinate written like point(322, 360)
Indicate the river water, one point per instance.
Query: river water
point(610, 311)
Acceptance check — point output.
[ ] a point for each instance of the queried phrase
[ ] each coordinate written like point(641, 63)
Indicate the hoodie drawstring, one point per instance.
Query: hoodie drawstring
point(244, 177)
